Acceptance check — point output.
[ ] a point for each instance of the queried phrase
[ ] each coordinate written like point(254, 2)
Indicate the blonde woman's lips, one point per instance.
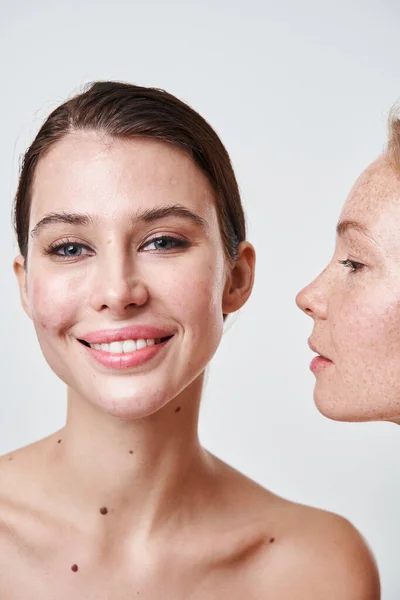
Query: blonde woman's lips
point(320, 362)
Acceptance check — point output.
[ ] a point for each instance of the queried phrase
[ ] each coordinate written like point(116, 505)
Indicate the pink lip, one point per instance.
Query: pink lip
point(319, 363)
point(126, 360)
point(137, 332)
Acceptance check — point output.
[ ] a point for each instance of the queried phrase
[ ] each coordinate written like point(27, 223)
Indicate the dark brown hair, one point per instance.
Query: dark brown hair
point(122, 110)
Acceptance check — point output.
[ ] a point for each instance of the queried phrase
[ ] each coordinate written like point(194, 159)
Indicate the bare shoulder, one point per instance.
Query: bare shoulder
point(324, 556)
point(298, 551)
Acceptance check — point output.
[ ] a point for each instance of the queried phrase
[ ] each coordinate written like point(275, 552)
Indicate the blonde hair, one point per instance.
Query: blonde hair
point(393, 144)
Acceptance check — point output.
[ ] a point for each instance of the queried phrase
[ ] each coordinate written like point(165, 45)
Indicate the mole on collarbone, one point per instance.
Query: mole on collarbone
point(103, 510)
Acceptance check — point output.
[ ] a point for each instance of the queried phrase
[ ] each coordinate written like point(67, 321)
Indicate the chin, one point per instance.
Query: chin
point(133, 406)
point(348, 409)
point(338, 409)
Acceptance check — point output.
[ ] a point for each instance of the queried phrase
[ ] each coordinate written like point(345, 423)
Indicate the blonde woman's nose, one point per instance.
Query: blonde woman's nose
point(312, 299)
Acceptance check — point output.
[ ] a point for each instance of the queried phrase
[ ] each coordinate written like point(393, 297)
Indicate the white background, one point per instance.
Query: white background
point(299, 93)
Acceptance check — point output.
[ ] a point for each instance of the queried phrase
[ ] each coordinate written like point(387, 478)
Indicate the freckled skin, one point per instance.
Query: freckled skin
point(181, 524)
point(357, 314)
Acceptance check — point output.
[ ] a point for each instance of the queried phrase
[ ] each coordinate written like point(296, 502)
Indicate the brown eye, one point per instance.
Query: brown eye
point(352, 265)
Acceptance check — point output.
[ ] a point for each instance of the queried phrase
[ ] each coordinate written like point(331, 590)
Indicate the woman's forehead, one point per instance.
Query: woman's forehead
point(375, 195)
point(95, 172)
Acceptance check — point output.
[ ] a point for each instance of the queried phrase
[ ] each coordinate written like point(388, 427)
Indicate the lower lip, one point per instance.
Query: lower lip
point(126, 360)
point(319, 363)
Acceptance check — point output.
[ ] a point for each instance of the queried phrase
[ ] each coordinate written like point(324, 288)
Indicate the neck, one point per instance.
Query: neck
point(140, 471)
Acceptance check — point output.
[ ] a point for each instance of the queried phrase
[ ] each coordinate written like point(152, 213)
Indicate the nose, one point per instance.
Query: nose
point(312, 299)
point(117, 286)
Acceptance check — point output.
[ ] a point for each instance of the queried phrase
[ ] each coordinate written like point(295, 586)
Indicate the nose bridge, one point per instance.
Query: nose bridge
point(312, 299)
point(116, 282)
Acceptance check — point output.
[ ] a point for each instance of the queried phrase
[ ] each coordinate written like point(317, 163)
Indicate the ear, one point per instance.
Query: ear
point(20, 272)
point(240, 279)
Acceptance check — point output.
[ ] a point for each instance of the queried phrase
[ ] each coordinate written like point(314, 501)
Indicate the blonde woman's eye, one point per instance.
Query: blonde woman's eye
point(164, 243)
point(352, 265)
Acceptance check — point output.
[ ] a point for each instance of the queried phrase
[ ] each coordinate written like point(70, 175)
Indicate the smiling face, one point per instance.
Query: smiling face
point(125, 245)
point(355, 305)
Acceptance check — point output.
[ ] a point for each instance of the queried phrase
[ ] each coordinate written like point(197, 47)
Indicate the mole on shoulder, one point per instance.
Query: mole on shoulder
point(74, 568)
point(178, 408)
point(271, 540)
point(104, 510)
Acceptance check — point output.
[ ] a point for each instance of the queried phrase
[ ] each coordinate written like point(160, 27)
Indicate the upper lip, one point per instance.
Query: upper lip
point(134, 332)
point(315, 349)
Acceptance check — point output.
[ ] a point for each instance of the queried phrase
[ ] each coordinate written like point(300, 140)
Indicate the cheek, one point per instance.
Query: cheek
point(52, 301)
point(369, 323)
point(195, 293)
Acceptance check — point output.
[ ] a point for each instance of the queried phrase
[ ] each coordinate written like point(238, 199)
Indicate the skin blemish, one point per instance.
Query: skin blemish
point(103, 510)
point(10, 458)
point(74, 568)
point(178, 408)
point(58, 441)
point(130, 451)
point(271, 540)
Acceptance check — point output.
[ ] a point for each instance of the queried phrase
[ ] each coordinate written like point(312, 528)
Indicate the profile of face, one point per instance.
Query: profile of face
point(126, 279)
point(355, 305)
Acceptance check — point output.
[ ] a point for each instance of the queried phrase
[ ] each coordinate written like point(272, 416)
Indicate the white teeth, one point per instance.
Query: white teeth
point(129, 346)
point(126, 346)
point(141, 344)
point(116, 348)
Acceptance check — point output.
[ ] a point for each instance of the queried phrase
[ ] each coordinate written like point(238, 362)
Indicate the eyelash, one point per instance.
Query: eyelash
point(352, 265)
point(54, 249)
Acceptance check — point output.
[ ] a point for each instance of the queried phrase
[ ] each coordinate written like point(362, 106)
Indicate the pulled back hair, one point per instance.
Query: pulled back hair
point(125, 111)
point(393, 146)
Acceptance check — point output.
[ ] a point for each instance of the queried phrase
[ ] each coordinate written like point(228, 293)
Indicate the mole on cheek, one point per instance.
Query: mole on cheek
point(103, 510)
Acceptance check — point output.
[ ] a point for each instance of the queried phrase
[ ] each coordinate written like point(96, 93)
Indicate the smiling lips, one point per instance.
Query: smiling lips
point(125, 348)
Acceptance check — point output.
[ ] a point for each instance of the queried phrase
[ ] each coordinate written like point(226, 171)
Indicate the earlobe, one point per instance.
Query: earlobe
point(240, 280)
point(20, 272)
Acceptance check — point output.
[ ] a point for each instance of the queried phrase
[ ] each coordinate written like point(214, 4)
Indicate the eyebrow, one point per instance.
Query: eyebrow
point(344, 226)
point(146, 216)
